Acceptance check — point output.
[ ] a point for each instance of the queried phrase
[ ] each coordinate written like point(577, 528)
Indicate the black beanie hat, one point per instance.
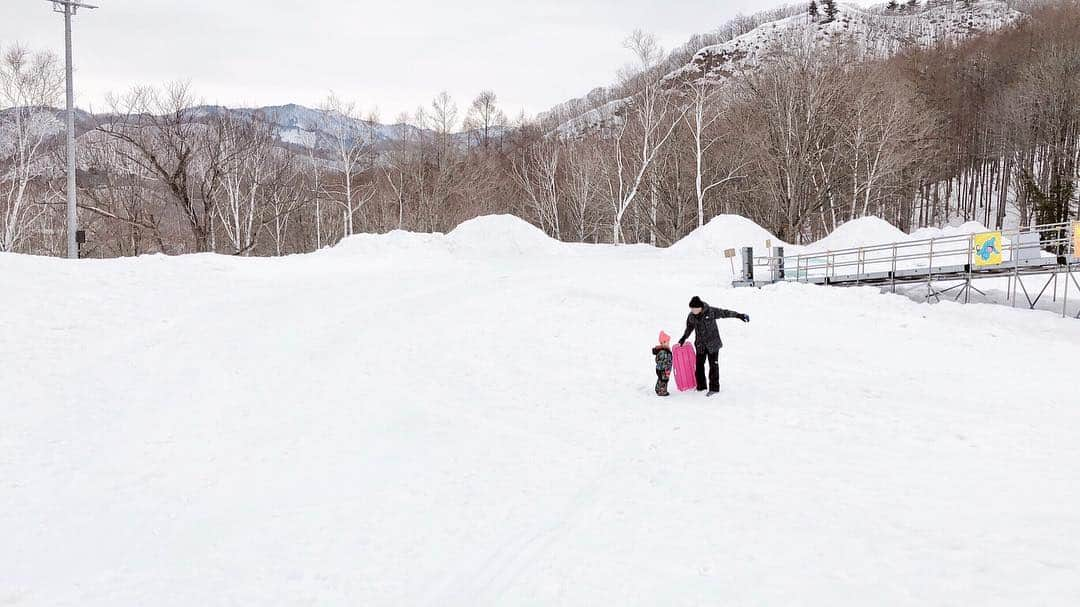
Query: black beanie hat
point(696, 302)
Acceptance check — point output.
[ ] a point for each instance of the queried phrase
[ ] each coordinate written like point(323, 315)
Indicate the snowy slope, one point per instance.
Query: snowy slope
point(869, 32)
point(468, 420)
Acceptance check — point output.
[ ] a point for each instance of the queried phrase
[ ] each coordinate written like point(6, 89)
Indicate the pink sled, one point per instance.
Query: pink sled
point(684, 363)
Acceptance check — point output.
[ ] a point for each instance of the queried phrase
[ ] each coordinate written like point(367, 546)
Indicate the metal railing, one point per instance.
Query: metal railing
point(919, 258)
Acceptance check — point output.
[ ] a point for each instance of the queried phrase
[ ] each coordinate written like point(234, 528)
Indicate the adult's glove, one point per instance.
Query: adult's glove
point(682, 341)
point(745, 318)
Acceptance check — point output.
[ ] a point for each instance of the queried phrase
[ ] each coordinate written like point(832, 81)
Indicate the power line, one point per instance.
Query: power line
point(69, 8)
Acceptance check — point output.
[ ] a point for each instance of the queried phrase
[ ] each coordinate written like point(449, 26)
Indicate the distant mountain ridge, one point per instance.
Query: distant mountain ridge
point(295, 125)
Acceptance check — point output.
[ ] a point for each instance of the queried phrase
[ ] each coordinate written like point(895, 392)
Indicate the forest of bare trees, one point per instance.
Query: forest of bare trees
point(985, 130)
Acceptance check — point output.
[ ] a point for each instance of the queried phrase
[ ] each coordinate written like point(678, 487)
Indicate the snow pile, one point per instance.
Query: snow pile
point(490, 235)
point(861, 232)
point(725, 232)
point(965, 229)
point(390, 245)
point(328, 429)
point(500, 234)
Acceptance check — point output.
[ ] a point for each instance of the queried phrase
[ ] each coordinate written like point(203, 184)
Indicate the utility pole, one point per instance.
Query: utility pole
point(69, 8)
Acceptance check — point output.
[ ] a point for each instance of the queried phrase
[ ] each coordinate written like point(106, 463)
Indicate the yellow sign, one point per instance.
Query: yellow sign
point(988, 249)
point(1076, 239)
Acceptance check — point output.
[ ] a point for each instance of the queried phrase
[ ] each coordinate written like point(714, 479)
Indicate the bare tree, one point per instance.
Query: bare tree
point(535, 168)
point(397, 164)
point(161, 133)
point(246, 152)
point(343, 133)
point(584, 174)
point(29, 84)
point(484, 117)
point(882, 134)
point(703, 114)
point(120, 194)
point(285, 194)
point(650, 119)
point(783, 112)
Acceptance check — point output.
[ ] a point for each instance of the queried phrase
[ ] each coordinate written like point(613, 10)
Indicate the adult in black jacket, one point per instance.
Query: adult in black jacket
point(702, 323)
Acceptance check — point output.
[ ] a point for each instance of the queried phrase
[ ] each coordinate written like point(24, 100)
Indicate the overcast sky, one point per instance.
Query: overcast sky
point(391, 55)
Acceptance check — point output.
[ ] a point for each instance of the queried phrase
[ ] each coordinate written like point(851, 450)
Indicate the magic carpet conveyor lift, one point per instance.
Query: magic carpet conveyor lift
point(947, 264)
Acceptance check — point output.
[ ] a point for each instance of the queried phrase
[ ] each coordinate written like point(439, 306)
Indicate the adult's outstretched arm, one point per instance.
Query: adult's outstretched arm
point(732, 314)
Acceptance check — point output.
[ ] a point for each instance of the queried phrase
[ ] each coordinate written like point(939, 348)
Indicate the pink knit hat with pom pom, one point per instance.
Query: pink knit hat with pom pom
point(664, 337)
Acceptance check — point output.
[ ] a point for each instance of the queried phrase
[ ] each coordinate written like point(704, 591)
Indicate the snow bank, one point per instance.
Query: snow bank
point(724, 232)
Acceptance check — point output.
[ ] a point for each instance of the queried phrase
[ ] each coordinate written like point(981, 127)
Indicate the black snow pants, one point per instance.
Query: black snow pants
point(662, 382)
point(714, 371)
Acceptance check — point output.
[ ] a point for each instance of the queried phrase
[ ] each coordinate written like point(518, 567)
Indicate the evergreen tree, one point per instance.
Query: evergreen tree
point(813, 10)
point(830, 10)
point(893, 5)
point(1053, 204)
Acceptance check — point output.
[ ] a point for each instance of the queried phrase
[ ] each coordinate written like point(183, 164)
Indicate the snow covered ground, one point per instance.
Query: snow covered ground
point(469, 420)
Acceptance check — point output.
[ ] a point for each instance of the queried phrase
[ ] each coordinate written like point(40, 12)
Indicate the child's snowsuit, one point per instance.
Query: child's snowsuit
point(663, 369)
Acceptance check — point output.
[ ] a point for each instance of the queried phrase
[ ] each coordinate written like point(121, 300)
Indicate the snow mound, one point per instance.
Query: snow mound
point(861, 232)
point(971, 227)
point(389, 244)
point(490, 235)
point(500, 234)
point(725, 232)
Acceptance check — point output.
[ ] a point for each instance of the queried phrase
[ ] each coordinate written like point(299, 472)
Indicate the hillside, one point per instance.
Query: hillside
point(871, 34)
point(866, 32)
point(468, 419)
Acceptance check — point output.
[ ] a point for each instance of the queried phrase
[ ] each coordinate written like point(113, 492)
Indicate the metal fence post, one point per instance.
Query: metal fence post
point(748, 264)
point(970, 260)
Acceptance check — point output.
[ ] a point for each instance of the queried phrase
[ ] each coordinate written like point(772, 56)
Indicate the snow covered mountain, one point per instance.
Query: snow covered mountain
point(303, 126)
point(871, 32)
point(296, 125)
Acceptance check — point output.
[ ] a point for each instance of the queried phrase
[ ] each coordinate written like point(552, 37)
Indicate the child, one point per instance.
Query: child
point(662, 353)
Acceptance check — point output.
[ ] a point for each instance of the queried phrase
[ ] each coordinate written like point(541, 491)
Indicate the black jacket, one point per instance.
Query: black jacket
point(703, 326)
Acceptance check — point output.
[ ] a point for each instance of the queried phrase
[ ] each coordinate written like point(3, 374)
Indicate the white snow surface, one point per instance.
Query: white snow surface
point(469, 420)
point(724, 232)
point(861, 232)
